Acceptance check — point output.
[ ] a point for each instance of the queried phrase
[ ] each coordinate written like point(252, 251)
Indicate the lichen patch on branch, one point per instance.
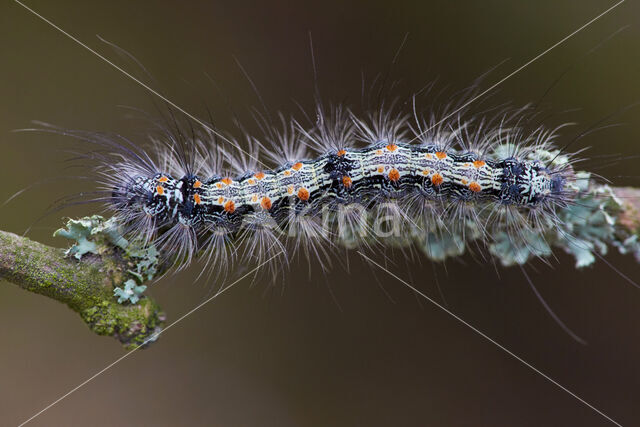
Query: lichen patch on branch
point(86, 286)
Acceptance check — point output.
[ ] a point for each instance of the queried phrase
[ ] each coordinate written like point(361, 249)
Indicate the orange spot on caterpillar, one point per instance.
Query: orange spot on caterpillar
point(197, 199)
point(479, 163)
point(218, 185)
point(230, 206)
point(380, 169)
point(265, 203)
point(464, 181)
point(392, 147)
point(290, 189)
point(303, 194)
point(163, 179)
point(425, 172)
point(441, 155)
point(341, 153)
point(259, 175)
point(429, 156)
point(475, 187)
point(437, 179)
point(227, 181)
point(254, 198)
point(346, 181)
point(379, 152)
point(394, 175)
point(251, 181)
point(197, 184)
point(297, 166)
point(220, 199)
point(160, 190)
point(287, 173)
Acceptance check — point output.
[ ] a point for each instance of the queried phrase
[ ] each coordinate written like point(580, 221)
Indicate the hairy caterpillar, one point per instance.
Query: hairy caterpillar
point(385, 180)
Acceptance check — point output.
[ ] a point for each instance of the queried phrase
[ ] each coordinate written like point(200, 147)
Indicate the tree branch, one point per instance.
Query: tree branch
point(86, 286)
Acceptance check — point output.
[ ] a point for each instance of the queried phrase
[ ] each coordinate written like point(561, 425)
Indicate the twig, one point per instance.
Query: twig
point(86, 286)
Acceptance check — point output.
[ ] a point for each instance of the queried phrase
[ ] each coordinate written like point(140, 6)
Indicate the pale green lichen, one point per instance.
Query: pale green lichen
point(505, 248)
point(131, 292)
point(80, 231)
point(97, 236)
point(443, 246)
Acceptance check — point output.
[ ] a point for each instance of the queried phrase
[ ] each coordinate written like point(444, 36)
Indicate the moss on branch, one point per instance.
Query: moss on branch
point(86, 286)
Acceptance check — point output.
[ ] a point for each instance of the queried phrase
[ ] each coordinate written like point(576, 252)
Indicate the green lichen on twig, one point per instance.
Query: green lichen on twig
point(87, 284)
point(95, 235)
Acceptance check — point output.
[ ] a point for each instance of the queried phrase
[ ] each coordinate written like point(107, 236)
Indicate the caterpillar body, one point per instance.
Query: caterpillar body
point(392, 168)
point(455, 182)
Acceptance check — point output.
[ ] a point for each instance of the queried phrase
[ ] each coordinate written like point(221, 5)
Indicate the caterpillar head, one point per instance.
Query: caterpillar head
point(547, 186)
point(531, 184)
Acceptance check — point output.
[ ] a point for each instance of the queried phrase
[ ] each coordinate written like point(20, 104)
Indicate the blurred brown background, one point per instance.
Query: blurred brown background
point(373, 353)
